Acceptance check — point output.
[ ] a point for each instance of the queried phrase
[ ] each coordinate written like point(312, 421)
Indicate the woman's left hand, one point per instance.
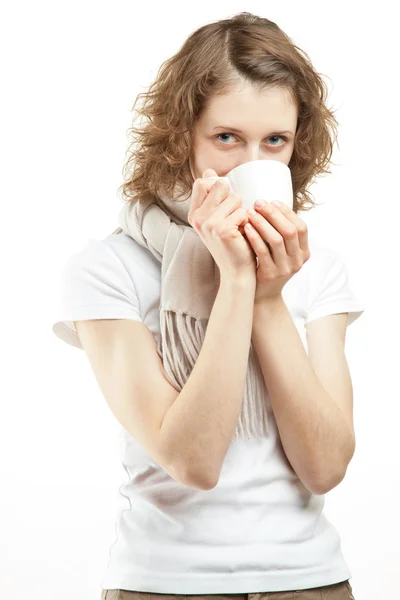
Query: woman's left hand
point(279, 239)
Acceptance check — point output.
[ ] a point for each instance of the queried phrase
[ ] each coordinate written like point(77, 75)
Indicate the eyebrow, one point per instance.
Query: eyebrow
point(227, 128)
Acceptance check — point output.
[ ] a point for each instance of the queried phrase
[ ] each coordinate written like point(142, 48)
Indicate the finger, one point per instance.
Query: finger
point(232, 219)
point(200, 190)
point(242, 226)
point(301, 226)
point(217, 195)
point(302, 229)
point(259, 246)
point(269, 215)
point(270, 234)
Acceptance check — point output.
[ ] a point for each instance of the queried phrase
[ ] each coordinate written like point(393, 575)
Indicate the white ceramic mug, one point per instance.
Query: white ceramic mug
point(261, 180)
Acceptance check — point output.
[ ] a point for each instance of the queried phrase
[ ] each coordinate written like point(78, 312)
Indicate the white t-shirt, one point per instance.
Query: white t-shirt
point(259, 529)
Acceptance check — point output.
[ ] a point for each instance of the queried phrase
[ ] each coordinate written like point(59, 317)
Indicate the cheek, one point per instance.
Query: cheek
point(288, 155)
point(207, 156)
point(203, 152)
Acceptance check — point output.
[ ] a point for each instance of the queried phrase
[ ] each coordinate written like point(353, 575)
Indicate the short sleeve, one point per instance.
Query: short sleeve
point(94, 284)
point(334, 294)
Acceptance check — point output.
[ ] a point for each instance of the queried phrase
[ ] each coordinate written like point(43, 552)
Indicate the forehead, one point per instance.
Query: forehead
point(247, 106)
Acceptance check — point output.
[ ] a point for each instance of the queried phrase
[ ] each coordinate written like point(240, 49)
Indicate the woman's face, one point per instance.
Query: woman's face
point(244, 125)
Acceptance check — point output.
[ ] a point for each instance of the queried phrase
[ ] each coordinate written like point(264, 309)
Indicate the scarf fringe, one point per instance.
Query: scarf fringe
point(186, 333)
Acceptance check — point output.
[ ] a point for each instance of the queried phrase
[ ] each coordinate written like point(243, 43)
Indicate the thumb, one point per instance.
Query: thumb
point(210, 173)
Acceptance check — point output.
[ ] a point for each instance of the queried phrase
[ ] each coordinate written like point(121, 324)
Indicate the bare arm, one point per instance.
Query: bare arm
point(199, 426)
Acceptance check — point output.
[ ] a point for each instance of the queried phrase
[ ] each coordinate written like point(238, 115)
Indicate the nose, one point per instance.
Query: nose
point(254, 152)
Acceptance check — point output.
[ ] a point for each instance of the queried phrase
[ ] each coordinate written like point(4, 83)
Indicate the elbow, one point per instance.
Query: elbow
point(196, 479)
point(323, 486)
point(202, 481)
point(325, 482)
point(199, 480)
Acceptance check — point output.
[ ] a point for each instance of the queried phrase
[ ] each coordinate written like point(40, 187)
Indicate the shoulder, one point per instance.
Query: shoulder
point(324, 263)
point(99, 281)
point(116, 255)
point(136, 259)
point(322, 257)
point(329, 289)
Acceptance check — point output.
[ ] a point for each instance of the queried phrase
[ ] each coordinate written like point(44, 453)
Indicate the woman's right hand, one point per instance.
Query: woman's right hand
point(216, 214)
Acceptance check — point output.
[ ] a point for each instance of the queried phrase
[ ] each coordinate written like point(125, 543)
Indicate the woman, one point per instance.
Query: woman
point(219, 347)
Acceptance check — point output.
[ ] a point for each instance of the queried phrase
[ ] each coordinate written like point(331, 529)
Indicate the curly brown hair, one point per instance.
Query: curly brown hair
point(209, 63)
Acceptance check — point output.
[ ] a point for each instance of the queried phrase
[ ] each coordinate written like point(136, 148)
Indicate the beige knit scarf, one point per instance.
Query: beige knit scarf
point(189, 285)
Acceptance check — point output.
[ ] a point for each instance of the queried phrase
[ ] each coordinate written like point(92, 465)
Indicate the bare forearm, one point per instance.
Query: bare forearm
point(199, 426)
point(313, 431)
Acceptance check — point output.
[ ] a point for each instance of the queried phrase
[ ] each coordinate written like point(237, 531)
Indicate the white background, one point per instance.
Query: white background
point(70, 74)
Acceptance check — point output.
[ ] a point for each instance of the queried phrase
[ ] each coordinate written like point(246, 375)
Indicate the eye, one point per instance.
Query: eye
point(282, 137)
point(220, 134)
point(272, 137)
